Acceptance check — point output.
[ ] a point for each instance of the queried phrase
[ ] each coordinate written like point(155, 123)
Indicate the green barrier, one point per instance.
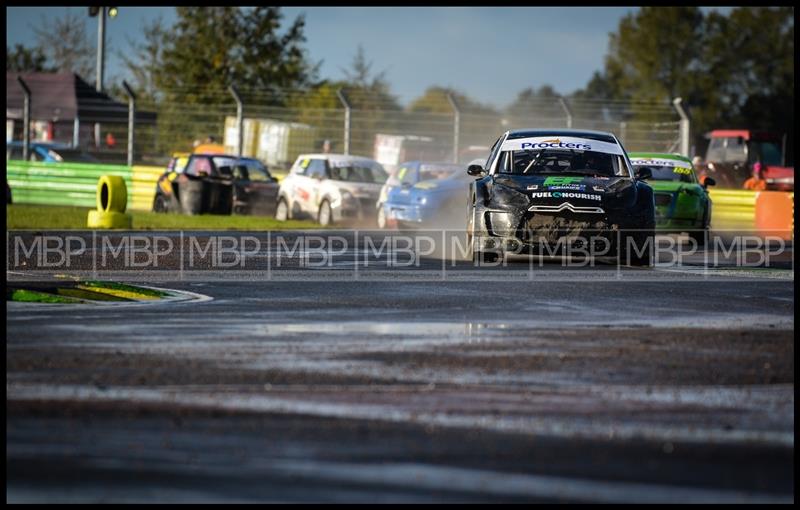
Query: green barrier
point(72, 184)
point(75, 184)
point(733, 209)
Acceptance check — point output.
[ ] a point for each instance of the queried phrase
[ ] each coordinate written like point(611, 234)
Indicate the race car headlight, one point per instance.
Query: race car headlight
point(504, 197)
point(422, 200)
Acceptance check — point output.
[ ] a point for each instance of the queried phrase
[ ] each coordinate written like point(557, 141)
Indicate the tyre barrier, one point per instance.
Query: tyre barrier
point(112, 194)
point(75, 184)
point(765, 212)
point(110, 219)
point(775, 214)
point(112, 200)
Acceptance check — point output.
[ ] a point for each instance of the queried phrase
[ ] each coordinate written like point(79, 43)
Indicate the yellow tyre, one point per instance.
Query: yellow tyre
point(112, 194)
point(100, 219)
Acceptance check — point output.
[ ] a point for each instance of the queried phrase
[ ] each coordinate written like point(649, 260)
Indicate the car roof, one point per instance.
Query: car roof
point(420, 162)
point(602, 136)
point(660, 155)
point(335, 157)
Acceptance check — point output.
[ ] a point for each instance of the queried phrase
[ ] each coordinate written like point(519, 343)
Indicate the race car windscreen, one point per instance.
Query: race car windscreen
point(561, 161)
point(430, 171)
point(668, 173)
point(359, 173)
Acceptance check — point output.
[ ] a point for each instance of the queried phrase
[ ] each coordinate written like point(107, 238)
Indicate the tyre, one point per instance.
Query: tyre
point(381, 217)
point(160, 204)
point(282, 211)
point(112, 194)
point(112, 219)
point(485, 257)
point(191, 195)
point(325, 215)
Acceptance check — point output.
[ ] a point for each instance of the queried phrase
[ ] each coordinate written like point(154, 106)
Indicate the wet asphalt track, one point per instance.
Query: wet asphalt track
point(564, 384)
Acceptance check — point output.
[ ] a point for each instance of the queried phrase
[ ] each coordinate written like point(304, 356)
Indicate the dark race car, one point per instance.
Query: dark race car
point(216, 183)
point(560, 192)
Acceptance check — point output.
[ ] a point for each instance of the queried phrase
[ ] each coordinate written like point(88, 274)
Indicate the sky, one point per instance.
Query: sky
point(488, 53)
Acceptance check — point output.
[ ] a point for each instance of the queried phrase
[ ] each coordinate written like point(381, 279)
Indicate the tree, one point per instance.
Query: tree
point(145, 58)
point(213, 47)
point(531, 105)
point(24, 59)
point(434, 116)
point(374, 108)
point(750, 70)
point(67, 45)
point(189, 67)
point(734, 70)
point(434, 100)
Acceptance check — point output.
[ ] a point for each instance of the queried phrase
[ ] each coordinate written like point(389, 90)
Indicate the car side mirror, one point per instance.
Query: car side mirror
point(644, 173)
point(476, 170)
point(709, 181)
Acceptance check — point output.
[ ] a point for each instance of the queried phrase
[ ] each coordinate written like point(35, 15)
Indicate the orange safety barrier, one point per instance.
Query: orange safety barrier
point(775, 214)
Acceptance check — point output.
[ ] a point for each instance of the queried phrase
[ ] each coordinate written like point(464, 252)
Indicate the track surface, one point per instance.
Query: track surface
point(605, 384)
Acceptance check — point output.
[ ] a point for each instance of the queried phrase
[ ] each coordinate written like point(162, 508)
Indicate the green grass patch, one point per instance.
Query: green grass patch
point(53, 217)
point(32, 296)
point(125, 288)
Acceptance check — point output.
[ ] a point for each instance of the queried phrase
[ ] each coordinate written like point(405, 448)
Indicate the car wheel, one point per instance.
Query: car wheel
point(160, 204)
point(381, 217)
point(282, 211)
point(485, 257)
point(324, 216)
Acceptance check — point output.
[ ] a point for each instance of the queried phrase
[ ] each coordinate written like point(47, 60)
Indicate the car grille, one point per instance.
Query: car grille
point(663, 198)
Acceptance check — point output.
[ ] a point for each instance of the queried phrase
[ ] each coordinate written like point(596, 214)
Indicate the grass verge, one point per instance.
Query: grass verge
point(53, 217)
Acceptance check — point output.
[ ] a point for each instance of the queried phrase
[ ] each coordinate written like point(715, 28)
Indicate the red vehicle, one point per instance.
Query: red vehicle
point(736, 155)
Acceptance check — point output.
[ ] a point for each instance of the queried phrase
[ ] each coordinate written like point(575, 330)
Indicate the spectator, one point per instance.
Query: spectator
point(111, 142)
point(757, 182)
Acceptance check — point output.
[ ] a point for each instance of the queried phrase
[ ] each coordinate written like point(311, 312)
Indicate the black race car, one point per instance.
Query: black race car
point(216, 184)
point(560, 192)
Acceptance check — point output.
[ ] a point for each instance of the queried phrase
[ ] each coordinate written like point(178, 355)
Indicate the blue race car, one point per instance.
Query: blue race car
point(424, 195)
point(49, 152)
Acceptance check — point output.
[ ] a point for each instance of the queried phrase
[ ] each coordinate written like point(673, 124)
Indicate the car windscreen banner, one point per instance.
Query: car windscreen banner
point(561, 142)
point(672, 163)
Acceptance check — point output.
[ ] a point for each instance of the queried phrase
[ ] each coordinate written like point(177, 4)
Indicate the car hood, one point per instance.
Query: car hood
point(555, 190)
point(676, 187)
point(530, 184)
point(409, 195)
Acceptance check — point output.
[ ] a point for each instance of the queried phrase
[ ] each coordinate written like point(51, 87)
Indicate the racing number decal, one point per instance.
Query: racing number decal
point(682, 170)
point(304, 195)
point(304, 163)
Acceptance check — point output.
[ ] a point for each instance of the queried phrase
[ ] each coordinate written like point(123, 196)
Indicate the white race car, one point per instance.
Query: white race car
point(331, 188)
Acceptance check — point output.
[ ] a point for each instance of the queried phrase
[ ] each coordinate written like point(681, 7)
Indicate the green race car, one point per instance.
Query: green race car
point(682, 203)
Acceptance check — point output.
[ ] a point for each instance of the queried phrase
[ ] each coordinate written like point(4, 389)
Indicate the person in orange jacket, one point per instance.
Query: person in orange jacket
point(756, 182)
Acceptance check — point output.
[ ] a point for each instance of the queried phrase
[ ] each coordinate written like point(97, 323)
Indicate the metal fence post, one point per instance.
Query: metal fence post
point(131, 119)
point(567, 111)
point(456, 125)
point(685, 126)
point(26, 119)
point(239, 119)
point(101, 63)
point(346, 105)
point(76, 131)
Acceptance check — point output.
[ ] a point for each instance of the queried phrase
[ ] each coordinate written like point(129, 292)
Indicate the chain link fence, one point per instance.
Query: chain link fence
point(279, 126)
